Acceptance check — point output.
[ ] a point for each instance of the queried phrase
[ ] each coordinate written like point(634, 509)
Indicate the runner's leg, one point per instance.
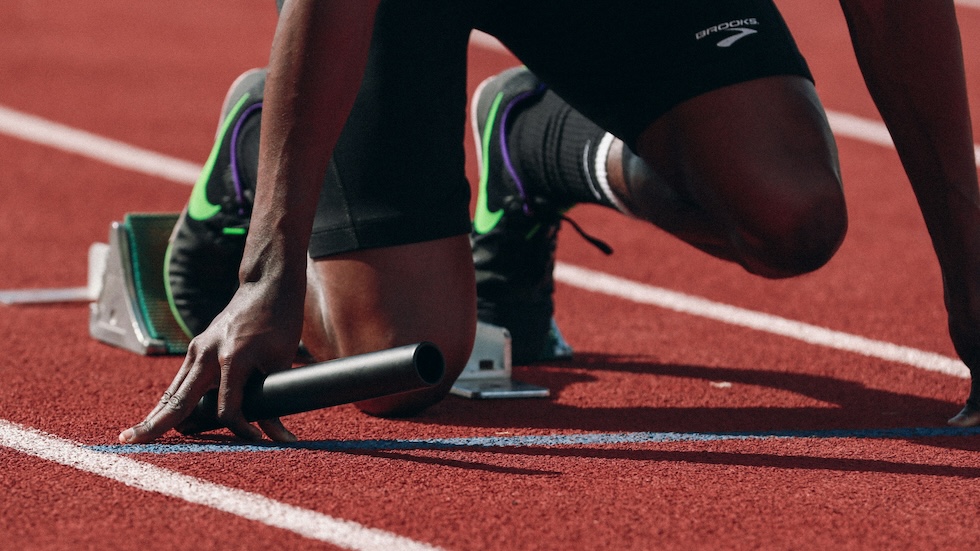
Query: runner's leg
point(727, 146)
point(390, 253)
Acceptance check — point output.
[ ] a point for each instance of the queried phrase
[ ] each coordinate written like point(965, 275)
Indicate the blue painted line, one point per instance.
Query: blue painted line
point(555, 440)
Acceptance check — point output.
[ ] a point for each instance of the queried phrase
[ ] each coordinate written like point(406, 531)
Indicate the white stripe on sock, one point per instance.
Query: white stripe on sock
point(601, 158)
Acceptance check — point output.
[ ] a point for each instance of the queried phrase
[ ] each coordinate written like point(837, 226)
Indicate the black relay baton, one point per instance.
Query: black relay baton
point(326, 384)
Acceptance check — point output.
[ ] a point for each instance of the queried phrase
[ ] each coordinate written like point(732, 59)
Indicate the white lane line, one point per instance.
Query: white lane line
point(865, 130)
point(35, 129)
point(41, 131)
point(848, 125)
point(868, 130)
point(968, 3)
point(254, 507)
point(46, 296)
point(679, 302)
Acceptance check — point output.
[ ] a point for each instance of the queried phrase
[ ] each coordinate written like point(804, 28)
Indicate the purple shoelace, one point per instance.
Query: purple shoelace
point(239, 189)
point(503, 143)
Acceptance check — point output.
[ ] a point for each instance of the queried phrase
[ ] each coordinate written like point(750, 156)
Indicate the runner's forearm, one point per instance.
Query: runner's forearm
point(911, 58)
point(316, 65)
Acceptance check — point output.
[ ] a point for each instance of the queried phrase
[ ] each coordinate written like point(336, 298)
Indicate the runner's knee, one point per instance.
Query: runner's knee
point(796, 232)
point(393, 296)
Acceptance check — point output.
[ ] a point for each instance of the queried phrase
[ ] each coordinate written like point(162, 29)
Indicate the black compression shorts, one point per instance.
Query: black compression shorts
point(397, 174)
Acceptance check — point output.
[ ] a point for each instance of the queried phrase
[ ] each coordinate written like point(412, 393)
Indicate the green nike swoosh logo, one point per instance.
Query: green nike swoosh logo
point(199, 208)
point(483, 219)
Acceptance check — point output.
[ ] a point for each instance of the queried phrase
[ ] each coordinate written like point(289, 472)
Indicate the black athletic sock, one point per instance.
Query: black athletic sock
point(555, 148)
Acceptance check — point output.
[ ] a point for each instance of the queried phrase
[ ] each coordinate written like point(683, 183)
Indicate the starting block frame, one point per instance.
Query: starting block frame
point(488, 371)
point(131, 309)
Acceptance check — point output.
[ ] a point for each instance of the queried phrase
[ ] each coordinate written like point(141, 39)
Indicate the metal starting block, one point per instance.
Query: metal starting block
point(487, 373)
point(131, 310)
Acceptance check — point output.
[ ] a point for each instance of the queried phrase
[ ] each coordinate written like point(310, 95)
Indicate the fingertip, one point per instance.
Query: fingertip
point(246, 431)
point(965, 419)
point(126, 436)
point(277, 431)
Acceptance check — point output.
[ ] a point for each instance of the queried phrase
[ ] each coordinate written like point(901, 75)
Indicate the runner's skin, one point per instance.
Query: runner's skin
point(260, 328)
point(911, 59)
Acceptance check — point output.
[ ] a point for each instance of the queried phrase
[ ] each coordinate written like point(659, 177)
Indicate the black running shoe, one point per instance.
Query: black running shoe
point(514, 232)
point(208, 241)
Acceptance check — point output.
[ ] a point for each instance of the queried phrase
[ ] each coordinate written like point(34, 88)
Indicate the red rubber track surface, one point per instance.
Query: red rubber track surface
point(154, 74)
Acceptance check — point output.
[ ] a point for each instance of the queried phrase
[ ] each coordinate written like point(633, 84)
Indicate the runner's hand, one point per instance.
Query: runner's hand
point(255, 332)
point(964, 329)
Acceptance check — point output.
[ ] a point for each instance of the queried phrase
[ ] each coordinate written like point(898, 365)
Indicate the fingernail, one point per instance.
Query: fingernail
point(126, 436)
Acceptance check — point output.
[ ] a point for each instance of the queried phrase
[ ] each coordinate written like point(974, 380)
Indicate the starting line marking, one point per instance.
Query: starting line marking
point(553, 440)
point(251, 506)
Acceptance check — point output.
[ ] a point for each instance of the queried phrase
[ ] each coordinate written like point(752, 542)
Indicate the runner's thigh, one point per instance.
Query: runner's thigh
point(398, 174)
